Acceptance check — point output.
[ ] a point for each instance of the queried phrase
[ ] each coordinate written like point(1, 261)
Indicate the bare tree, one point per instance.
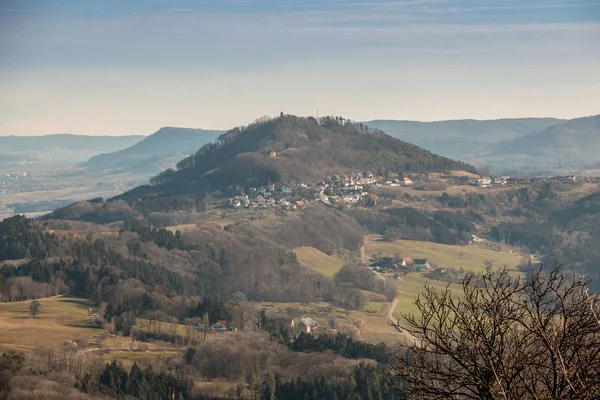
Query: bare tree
point(34, 308)
point(505, 338)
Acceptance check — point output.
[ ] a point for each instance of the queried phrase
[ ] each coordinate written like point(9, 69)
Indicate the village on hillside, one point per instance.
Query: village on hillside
point(355, 190)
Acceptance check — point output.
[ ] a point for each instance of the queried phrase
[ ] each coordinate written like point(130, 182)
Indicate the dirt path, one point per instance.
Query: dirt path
point(409, 339)
point(368, 239)
point(390, 313)
point(158, 349)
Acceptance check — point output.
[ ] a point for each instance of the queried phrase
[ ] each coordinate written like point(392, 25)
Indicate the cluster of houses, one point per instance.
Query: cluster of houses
point(263, 200)
point(344, 189)
point(401, 264)
point(20, 183)
point(399, 182)
point(407, 264)
point(351, 190)
point(304, 324)
point(334, 190)
point(524, 180)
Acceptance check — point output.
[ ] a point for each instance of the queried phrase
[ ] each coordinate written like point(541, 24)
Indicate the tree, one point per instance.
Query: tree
point(331, 322)
point(34, 308)
point(253, 385)
point(269, 387)
point(506, 338)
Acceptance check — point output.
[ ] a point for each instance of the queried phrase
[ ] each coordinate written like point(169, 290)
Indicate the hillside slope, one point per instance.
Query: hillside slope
point(145, 155)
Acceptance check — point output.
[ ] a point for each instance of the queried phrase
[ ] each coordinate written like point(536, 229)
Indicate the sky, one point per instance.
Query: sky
point(114, 67)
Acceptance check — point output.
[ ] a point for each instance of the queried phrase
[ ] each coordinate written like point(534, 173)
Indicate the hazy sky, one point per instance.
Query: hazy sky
point(123, 67)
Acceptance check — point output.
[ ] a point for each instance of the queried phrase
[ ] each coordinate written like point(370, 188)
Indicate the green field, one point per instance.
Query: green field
point(61, 319)
point(471, 258)
point(145, 325)
point(319, 261)
point(411, 286)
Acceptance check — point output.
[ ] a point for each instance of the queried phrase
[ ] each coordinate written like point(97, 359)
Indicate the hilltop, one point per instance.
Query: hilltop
point(295, 149)
point(145, 156)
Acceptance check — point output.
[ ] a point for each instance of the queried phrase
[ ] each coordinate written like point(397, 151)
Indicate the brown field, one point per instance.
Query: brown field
point(61, 319)
point(586, 188)
point(460, 174)
point(181, 228)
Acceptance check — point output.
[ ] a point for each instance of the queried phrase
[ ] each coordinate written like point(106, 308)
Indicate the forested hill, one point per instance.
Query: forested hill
point(295, 149)
point(462, 139)
point(571, 140)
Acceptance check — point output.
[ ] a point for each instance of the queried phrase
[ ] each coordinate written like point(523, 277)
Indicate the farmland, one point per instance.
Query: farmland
point(372, 323)
point(471, 258)
point(61, 319)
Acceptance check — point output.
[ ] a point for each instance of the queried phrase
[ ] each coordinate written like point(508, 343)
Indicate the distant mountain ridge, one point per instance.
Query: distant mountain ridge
point(145, 156)
point(461, 139)
point(479, 130)
point(530, 143)
point(580, 136)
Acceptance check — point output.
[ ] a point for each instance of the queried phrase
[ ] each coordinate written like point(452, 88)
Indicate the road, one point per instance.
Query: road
point(364, 257)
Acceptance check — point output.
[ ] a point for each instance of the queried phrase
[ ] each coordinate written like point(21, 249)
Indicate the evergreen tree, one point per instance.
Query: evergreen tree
point(269, 387)
point(252, 382)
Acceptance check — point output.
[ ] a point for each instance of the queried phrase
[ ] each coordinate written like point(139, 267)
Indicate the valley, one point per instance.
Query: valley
point(41, 173)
